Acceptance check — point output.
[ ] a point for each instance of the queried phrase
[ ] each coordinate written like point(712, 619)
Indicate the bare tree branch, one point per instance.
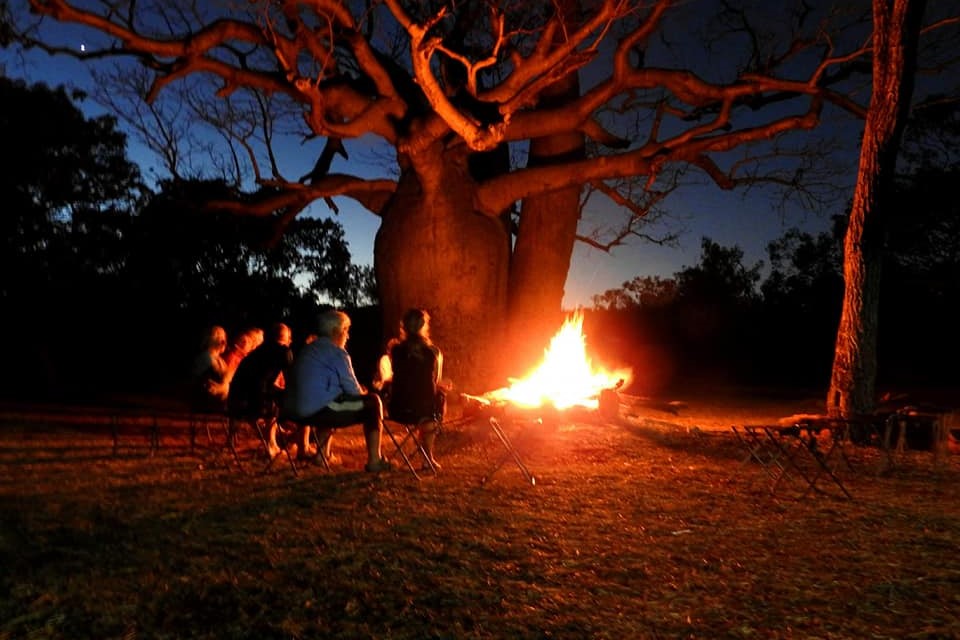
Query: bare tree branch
point(349, 80)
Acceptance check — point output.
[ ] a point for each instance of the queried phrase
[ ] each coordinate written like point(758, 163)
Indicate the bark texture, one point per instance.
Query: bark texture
point(544, 246)
point(854, 374)
point(422, 260)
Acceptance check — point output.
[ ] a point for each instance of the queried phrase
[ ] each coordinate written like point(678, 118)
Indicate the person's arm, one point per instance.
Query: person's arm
point(284, 364)
point(349, 384)
point(219, 367)
point(384, 371)
point(446, 385)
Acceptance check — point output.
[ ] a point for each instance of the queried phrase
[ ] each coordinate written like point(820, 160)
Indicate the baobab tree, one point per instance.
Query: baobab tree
point(598, 96)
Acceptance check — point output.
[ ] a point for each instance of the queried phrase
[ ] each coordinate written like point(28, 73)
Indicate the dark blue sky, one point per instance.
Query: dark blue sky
point(749, 221)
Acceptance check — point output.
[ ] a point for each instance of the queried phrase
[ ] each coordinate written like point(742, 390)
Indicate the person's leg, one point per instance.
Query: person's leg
point(309, 449)
point(440, 404)
point(272, 447)
point(370, 415)
point(325, 441)
point(429, 430)
point(372, 419)
point(428, 436)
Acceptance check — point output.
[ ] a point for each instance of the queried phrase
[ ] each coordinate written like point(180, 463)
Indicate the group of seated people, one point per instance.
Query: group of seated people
point(317, 388)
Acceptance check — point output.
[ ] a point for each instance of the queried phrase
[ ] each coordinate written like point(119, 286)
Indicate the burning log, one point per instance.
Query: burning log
point(667, 406)
point(605, 405)
point(566, 378)
point(565, 387)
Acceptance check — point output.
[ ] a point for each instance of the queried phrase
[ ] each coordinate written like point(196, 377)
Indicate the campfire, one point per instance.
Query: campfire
point(564, 384)
point(565, 379)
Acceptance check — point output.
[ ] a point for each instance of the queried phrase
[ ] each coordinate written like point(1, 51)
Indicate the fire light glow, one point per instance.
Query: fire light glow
point(565, 378)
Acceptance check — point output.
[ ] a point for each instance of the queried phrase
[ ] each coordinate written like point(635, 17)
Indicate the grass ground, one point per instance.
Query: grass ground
point(644, 527)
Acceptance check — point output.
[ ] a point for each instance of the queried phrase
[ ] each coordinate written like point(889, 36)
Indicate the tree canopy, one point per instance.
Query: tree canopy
point(665, 91)
point(107, 284)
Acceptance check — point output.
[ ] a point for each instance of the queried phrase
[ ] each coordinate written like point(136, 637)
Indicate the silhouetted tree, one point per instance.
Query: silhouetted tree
point(716, 300)
point(62, 170)
point(917, 342)
point(104, 285)
point(439, 89)
point(801, 304)
point(644, 292)
point(190, 267)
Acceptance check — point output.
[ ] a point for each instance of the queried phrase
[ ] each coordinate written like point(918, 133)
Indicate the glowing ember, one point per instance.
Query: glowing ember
point(565, 378)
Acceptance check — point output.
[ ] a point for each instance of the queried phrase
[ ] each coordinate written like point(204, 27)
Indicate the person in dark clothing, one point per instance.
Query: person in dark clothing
point(416, 394)
point(259, 381)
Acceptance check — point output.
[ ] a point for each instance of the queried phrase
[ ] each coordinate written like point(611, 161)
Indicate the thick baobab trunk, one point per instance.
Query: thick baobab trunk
point(433, 251)
point(544, 245)
point(896, 29)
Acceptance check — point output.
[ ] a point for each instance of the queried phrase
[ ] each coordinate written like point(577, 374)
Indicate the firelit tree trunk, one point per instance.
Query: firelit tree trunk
point(544, 245)
point(433, 251)
point(853, 379)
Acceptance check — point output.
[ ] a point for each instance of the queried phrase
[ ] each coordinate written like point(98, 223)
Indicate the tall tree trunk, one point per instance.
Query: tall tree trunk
point(896, 30)
point(544, 245)
point(432, 251)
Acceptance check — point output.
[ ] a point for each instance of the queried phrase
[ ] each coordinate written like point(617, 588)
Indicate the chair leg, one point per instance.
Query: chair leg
point(511, 452)
point(272, 424)
point(399, 446)
point(193, 431)
point(233, 427)
point(206, 426)
point(421, 446)
point(321, 445)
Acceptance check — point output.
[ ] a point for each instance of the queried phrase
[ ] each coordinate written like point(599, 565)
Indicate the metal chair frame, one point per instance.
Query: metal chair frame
point(410, 435)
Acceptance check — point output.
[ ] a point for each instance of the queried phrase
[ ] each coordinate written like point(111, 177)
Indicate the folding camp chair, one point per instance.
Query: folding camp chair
point(260, 425)
point(794, 452)
point(760, 449)
point(413, 399)
point(205, 413)
point(260, 412)
point(207, 421)
point(511, 452)
point(408, 431)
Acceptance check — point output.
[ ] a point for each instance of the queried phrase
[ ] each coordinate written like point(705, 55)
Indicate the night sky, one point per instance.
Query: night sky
point(748, 220)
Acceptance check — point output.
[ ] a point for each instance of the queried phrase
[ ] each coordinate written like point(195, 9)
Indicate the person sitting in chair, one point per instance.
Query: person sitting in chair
point(323, 391)
point(209, 372)
point(258, 383)
point(417, 396)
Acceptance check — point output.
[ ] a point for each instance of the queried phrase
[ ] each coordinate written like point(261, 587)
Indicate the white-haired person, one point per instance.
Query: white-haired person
point(323, 391)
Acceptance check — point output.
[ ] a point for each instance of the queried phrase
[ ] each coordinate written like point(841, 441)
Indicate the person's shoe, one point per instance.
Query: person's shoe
point(433, 463)
point(377, 467)
point(272, 450)
point(334, 459)
point(309, 450)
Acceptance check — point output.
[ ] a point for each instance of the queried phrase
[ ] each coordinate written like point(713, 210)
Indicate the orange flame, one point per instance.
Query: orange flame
point(565, 378)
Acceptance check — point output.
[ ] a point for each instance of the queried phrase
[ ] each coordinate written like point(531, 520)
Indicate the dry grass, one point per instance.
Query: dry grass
point(646, 528)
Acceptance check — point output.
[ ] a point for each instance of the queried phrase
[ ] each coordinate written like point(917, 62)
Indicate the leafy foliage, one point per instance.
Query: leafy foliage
point(713, 314)
point(108, 284)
